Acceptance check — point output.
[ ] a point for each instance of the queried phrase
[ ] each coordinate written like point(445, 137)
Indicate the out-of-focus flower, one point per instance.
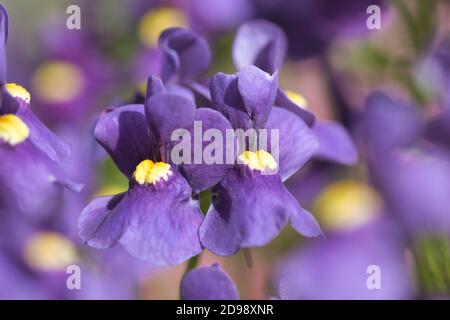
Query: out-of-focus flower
point(412, 176)
point(33, 158)
point(361, 241)
point(156, 219)
point(312, 25)
point(208, 283)
point(250, 206)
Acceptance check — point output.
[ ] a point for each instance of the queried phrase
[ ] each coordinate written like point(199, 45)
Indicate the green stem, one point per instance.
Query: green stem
point(192, 263)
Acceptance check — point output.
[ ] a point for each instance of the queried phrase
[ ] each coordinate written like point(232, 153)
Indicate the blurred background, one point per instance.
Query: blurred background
point(384, 212)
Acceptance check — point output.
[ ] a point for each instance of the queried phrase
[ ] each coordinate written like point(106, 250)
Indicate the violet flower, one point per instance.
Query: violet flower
point(156, 220)
point(33, 158)
point(249, 206)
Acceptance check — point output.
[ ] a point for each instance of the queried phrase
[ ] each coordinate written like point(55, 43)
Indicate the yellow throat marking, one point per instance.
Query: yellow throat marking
point(149, 172)
point(17, 91)
point(12, 129)
point(260, 160)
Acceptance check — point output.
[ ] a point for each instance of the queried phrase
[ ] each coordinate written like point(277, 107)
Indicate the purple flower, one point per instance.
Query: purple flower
point(156, 220)
point(344, 266)
point(208, 283)
point(412, 176)
point(264, 44)
point(249, 206)
point(33, 158)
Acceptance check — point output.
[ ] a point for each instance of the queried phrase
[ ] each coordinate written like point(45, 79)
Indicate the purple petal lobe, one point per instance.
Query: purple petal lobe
point(156, 223)
point(168, 112)
point(335, 144)
point(258, 90)
point(227, 100)
point(207, 174)
point(296, 144)
point(248, 210)
point(304, 223)
point(208, 283)
point(185, 54)
point(124, 134)
point(162, 224)
point(260, 43)
point(99, 224)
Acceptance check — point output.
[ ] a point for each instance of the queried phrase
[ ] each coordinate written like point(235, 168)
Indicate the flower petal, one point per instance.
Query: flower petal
point(248, 210)
point(158, 224)
point(124, 134)
point(30, 181)
point(260, 43)
point(206, 174)
point(167, 112)
point(228, 101)
point(335, 144)
point(99, 224)
point(297, 143)
point(185, 54)
point(208, 283)
point(258, 90)
point(163, 223)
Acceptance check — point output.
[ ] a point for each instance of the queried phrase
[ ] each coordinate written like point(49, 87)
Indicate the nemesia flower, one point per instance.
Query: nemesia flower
point(156, 220)
point(208, 283)
point(250, 205)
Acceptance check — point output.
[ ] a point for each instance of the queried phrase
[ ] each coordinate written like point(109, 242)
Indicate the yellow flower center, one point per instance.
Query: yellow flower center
point(297, 98)
point(17, 91)
point(50, 251)
point(58, 81)
point(346, 205)
point(260, 160)
point(156, 21)
point(12, 129)
point(149, 172)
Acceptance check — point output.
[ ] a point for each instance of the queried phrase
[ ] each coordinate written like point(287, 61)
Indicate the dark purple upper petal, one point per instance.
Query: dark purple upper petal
point(205, 174)
point(123, 132)
point(245, 98)
point(335, 144)
point(258, 90)
point(248, 210)
point(166, 113)
point(185, 54)
point(208, 283)
point(260, 43)
point(297, 143)
point(227, 99)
